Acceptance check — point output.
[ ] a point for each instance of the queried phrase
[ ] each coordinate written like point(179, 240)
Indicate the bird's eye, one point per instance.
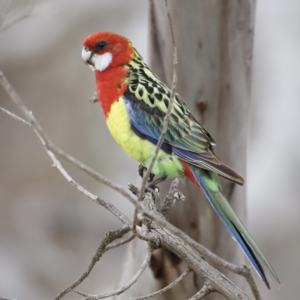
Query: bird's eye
point(100, 46)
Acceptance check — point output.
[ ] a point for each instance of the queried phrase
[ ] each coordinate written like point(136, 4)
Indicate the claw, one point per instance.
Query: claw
point(142, 169)
point(153, 184)
point(152, 188)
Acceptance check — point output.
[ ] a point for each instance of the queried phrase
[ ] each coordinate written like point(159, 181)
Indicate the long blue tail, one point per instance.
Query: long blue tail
point(209, 183)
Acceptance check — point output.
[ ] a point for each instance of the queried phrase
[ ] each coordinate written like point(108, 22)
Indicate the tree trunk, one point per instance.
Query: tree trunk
point(214, 40)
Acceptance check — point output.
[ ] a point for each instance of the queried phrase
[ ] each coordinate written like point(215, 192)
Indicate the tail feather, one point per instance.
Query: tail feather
point(251, 256)
point(208, 182)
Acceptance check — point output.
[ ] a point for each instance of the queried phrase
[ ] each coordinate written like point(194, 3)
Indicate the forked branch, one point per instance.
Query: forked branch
point(102, 248)
point(165, 232)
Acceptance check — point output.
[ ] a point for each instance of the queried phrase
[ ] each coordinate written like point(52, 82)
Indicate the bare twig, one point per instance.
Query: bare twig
point(135, 220)
point(172, 197)
point(163, 234)
point(97, 176)
point(201, 249)
point(205, 290)
point(251, 282)
point(168, 287)
point(21, 105)
point(51, 148)
point(22, 15)
point(93, 197)
point(193, 259)
point(127, 285)
point(15, 117)
point(29, 116)
point(168, 114)
point(115, 245)
point(243, 271)
point(110, 207)
point(111, 236)
point(1, 298)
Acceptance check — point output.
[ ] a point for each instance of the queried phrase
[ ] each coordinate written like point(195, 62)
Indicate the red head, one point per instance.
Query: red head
point(107, 53)
point(102, 50)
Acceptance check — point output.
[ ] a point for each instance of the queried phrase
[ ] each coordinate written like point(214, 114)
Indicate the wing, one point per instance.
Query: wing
point(147, 103)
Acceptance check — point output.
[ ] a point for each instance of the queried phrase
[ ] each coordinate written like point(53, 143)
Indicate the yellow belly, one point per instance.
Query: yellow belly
point(140, 149)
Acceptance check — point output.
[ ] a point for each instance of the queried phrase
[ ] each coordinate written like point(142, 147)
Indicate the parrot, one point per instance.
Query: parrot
point(134, 102)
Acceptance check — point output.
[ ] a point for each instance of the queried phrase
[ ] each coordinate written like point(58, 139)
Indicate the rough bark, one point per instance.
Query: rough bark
point(214, 41)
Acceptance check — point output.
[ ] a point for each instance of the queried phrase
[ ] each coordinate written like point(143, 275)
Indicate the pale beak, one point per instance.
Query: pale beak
point(86, 54)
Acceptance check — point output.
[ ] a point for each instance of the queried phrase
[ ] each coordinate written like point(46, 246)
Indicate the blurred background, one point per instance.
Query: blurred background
point(49, 231)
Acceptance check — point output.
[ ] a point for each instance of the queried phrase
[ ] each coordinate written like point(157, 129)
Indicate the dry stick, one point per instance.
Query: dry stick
point(166, 120)
point(127, 285)
point(102, 248)
point(135, 221)
point(205, 290)
point(29, 116)
point(168, 287)
point(115, 245)
point(38, 129)
point(252, 283)
point(160, 221)
point(202, 250)
point(243, 271)
point(12, 22)
point(168, 114)
point(21, 105)
point(58, 165)
point(112, 209)
point(97, 176)
point(193, 259)
point(171, 198)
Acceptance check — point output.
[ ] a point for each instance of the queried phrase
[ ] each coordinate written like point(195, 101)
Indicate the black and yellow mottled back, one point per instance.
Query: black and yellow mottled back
point(147, 99)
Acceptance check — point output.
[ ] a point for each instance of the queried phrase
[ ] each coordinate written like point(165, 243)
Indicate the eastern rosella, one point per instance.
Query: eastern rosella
point(134, 101)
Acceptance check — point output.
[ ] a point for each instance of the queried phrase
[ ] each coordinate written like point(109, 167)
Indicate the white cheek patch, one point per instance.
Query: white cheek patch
point(101, 62)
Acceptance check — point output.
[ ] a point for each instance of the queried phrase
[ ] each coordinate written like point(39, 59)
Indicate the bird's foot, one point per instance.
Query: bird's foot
point(142, 170)
point(152, 189)
point(152, 186)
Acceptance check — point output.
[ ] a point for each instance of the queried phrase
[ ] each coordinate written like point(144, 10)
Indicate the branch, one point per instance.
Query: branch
point(127, 285)
point(115, 245)
point(243, 271)
point(165, 124)
point(168, 287)
point(51, 148)
point(162, 222)
point(172, 197)
point(205, 290)
point(29, 116)
point(94, 174)
point(247, 274)
point(153, 216)
point(168, 114)
point(194, 260)
point(16, 19)
point(111, 236)
point(110, 207)
point(135, 221)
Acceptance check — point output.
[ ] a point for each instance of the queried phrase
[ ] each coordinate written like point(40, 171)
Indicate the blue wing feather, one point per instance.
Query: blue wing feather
point(185, 138)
